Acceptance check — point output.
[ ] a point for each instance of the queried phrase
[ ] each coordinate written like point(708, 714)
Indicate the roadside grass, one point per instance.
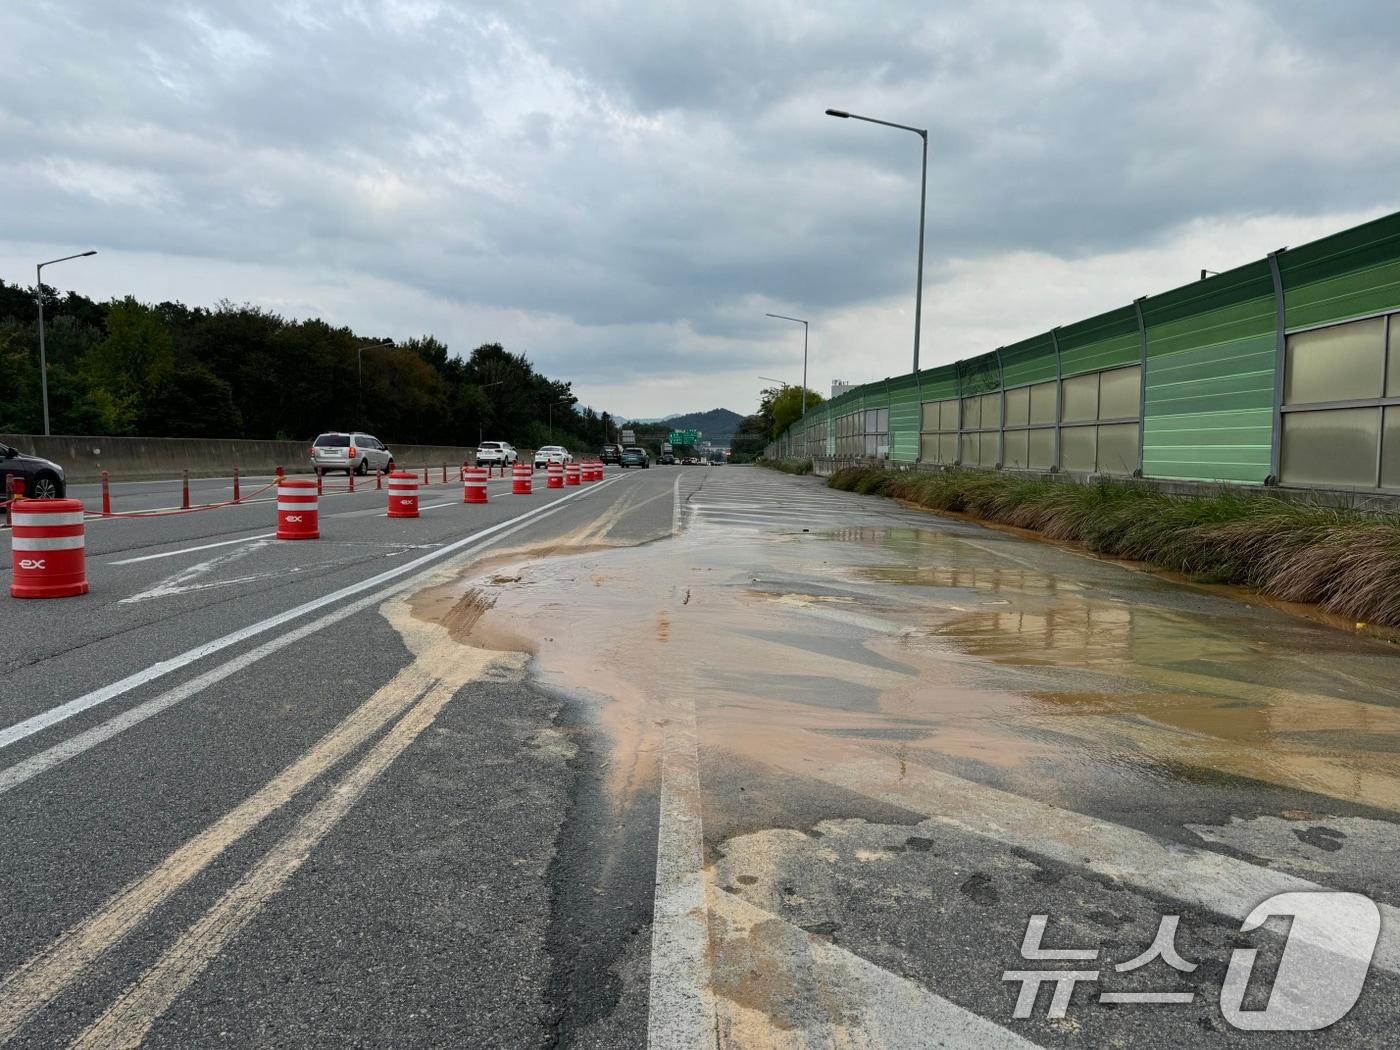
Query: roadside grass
point(1346, 561)
point(787, 466)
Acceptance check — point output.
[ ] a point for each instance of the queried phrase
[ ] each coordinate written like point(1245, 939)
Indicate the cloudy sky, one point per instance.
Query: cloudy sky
point(623, 189)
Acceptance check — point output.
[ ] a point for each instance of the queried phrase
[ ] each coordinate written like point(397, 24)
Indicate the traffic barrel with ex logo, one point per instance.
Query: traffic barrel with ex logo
point(571, 473)
point(522, 479)
point(474, 485)
point(48, 554)
point(298, 510)
point(554, 476)
point(403, 494)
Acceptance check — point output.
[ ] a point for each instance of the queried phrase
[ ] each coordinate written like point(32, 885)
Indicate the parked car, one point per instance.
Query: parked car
point(355, 451)
point(635, 456)
point(611, 454)
point(43, 478)
point(552, 454)
point(496, 454)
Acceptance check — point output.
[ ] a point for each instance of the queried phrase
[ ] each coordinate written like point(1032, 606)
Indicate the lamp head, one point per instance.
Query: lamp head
point(838, 113)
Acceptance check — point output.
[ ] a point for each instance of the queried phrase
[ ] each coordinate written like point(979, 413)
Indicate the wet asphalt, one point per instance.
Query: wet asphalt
point(912, 734)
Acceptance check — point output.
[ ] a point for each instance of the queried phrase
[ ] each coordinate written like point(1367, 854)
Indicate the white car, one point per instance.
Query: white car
point(496, 453)
point(552, 454)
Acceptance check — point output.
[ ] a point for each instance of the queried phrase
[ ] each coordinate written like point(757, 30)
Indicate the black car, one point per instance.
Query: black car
point(611, 454)
point(42, 478)
point(632, 456)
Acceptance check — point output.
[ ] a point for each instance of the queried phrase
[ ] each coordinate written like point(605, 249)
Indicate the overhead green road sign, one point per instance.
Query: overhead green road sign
point(684, 437)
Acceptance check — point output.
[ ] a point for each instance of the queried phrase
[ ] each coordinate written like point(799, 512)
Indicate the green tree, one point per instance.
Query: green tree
point(786, 407)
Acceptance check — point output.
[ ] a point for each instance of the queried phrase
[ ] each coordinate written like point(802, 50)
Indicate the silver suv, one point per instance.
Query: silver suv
point(361, 453)
point(497, 453)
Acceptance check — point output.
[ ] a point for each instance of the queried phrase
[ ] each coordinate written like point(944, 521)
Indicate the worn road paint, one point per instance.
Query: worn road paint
point(24, 991)
point(681, 1007)
point(191, 550)
point(448, 666)
point(853, 1002)
point(1215, 881)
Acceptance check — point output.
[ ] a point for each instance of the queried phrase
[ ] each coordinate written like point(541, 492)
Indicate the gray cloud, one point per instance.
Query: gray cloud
point(637, 173)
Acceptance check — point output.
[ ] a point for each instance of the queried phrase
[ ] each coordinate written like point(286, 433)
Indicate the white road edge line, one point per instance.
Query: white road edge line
point(676, 507)
point(45, 719)
point(681, 1003)
point(191, 550)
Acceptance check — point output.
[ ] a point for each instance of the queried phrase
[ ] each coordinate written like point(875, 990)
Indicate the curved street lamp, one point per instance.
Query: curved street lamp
point(43, 358)
point(923, 194)
point(784, 317)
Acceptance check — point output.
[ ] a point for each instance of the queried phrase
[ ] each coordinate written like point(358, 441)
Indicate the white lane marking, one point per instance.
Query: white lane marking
point(191, 550)
point(56, 755)
point(676, 507)
point(45, 719)
point(681, 1006)
point(1214, 881)
point(188, 579)
point(876, 1007)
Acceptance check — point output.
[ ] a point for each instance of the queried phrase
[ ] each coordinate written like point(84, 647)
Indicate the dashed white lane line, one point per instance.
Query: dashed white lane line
point(192, 550)
point(54, 715)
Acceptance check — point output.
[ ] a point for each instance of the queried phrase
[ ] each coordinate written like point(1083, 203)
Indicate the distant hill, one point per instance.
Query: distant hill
point(717, 425)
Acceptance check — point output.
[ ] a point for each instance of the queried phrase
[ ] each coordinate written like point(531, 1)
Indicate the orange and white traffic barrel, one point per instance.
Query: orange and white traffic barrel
point(403, 494)
point(571, 474)
point(595, 472)
point(474, 486)
point(298, 510)
point(522, 479)
point(48, 555)
point(554, 476)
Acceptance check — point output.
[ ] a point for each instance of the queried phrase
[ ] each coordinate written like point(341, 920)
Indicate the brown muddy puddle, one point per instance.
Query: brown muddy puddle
point(916, 645)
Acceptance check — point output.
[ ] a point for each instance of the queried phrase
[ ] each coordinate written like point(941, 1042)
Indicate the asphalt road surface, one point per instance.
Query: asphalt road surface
point(688, 757)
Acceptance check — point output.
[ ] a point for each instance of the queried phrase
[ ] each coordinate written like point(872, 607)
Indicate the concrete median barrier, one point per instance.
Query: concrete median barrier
point(84, 457)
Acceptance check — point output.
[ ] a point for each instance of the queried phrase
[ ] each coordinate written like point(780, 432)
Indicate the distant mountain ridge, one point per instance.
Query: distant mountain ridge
point(717, 425)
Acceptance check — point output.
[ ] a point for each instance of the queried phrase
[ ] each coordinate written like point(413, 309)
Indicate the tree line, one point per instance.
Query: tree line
point(170, 370)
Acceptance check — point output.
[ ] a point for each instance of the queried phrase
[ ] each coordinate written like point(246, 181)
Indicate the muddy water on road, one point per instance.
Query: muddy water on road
point(923, 645)
point(831, 673)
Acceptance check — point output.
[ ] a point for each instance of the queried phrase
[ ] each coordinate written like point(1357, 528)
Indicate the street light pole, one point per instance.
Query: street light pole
point(561, 401)
point(360, 371)
point(784, 317)
point(43, 358)
point(923, 197)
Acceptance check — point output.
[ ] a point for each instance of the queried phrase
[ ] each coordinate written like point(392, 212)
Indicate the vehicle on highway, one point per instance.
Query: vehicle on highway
point(666, 460)
point(635, 456)
point(496, 454)
point(717, 459)
point(43, 478)
point(611, 454)
point(552, 454)
point(347, 451)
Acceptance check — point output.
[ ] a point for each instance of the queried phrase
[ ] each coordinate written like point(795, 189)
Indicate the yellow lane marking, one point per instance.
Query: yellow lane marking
point(129, 1018)
point(26, 990)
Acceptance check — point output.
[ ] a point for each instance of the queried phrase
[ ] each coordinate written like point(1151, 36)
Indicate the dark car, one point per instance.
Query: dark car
point(611, 454)
point(43, 479)
point(632, 456)
point(667, 460)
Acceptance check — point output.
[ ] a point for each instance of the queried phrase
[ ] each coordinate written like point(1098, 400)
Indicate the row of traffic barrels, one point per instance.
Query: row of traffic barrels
point(48, 542)
point(297, 514)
